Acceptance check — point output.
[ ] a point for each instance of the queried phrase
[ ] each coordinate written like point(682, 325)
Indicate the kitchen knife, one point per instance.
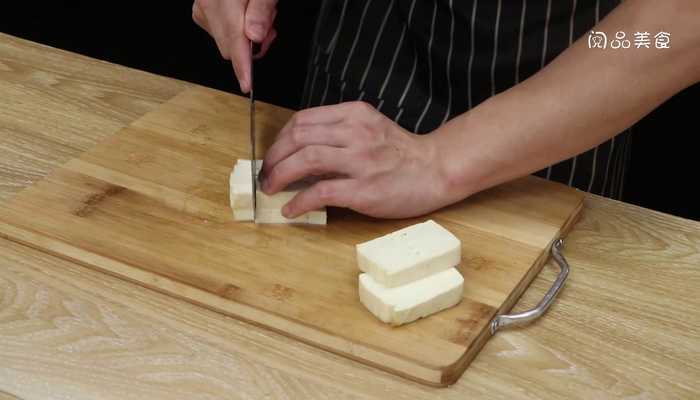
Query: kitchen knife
point(253, 162)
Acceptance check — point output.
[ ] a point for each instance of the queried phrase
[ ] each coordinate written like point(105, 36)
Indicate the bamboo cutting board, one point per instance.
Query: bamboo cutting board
point(150, 204)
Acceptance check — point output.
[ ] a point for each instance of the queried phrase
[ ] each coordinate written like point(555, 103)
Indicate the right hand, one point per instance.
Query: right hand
point(233, 24)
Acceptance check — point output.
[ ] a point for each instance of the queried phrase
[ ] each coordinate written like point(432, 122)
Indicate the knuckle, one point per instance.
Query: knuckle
point(381, 134)
point(370, 130)
point(362, 106)
point(326, 192)
point(366, 133)
point(297, 135)
point(198, 15)
point(272, 36)
point(295, 120)
point(266, 6)
point(273, 177)
point(261, 13)
point(371, 155)
point(204, 4)
point(301, 117)
point(312, 158)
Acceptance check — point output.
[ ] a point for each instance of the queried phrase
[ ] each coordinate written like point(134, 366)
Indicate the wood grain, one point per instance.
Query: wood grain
point(625, 261)
point(7, 396)
point(113, 349)
point(55, 104)
point(150, 204)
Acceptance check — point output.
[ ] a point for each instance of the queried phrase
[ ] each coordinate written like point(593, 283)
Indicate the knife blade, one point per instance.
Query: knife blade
point(253, 162)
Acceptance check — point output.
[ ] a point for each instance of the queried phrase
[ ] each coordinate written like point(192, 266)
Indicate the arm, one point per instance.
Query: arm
point(582, 98)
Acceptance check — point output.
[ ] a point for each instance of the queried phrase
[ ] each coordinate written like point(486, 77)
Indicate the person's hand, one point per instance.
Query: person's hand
point(371, 164)
point(233, 24)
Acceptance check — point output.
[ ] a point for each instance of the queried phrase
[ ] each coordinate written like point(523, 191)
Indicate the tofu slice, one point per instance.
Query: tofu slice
point(274, 216)
point(412, 301)
point(269, 207)
point(240, 191)
point(409, 254)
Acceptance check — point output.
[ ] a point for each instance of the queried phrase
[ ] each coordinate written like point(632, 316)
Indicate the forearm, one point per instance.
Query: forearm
point(582, 98)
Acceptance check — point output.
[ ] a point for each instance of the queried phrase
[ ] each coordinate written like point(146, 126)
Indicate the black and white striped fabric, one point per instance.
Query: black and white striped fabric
point(422, 62)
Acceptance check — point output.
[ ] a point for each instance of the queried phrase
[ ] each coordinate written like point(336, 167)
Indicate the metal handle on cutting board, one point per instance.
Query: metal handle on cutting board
point(502, 321)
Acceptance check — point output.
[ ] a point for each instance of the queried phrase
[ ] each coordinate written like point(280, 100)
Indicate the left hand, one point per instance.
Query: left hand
point(373, 166)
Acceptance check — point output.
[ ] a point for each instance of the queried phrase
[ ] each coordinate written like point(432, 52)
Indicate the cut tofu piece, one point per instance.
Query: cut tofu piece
point(240, 186)
point(409, 254)
point(407, 303)
point(241, 191)
point(274, 216)
point(243, 214)
point(269, 207)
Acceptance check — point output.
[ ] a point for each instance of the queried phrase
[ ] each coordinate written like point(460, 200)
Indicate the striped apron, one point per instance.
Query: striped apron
point(422, 62)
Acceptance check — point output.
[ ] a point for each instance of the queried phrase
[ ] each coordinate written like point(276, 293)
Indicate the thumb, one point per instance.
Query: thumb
point(258, 19)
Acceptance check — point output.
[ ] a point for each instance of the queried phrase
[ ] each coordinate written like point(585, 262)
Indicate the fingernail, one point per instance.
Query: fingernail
point(265, 185)
point(257, 30)
point(286, 211)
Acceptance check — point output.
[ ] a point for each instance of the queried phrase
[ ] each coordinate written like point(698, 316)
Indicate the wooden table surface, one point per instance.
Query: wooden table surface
point(627, 324)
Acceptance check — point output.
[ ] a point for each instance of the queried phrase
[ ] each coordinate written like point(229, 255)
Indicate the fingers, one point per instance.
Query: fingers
point(318, 125)
point(327, 114)
point(300, 137)
point(232, 23)
point(198, 16)
point(265, 46)
point(240, 59)
point(259, 17)
point(213, 29)
point(215, 19)
point(257, 22)
point(332, 192)
point(310, 161)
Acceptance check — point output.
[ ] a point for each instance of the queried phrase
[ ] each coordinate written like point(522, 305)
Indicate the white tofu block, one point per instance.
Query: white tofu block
point(274, 216)
point(243, 214)
point(269, 208)
point(241, 188)
point(407, 303)
point(409, 254)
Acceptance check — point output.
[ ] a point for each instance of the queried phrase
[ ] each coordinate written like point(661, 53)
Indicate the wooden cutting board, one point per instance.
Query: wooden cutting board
point(150, 204)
